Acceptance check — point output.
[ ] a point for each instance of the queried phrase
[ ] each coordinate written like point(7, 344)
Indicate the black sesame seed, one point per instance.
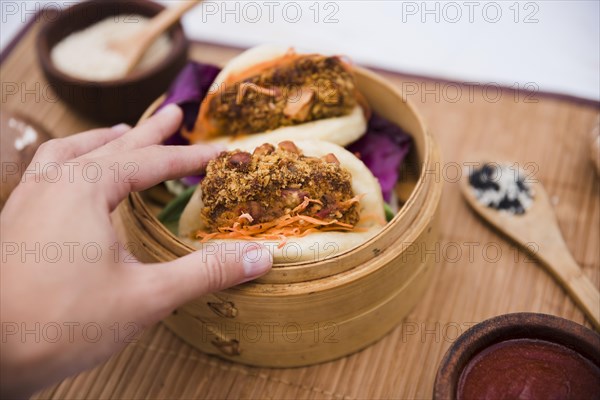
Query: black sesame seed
point(493, 191)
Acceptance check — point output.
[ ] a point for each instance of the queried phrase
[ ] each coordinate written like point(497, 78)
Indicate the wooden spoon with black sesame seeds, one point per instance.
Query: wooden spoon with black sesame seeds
point(537, 232)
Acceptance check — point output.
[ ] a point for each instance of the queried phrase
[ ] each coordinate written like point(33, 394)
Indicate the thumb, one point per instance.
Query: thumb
point(215, 267)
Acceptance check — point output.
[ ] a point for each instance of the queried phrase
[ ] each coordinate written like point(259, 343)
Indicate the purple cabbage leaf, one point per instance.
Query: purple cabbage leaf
point(187, 91)
point(382, 149)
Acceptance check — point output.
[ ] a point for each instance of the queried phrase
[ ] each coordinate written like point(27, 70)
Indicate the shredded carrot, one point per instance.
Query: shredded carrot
point(281, 229)
point(355, 199)
point(302, 206)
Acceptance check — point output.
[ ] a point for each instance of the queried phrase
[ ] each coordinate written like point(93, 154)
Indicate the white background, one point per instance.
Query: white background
point(552, 45)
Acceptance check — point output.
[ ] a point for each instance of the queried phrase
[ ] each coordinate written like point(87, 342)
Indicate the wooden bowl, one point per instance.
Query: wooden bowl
point(508, 327)
point(115, 101)
point(305, 313)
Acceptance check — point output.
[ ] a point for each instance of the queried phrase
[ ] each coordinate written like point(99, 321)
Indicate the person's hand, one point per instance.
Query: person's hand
point(70, 294)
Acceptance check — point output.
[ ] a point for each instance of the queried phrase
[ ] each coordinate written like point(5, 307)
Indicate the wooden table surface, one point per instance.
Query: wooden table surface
point(478, 274)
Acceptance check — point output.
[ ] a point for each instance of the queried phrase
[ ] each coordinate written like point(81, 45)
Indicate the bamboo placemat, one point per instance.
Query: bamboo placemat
point(469, 285)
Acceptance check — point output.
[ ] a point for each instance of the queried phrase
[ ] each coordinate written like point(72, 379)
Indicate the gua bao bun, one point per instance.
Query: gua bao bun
point(270, 94)
point(340, 187)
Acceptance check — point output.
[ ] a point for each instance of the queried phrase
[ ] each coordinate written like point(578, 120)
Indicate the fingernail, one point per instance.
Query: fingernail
point(121, 128)
point(170, 109)
point(257, 261)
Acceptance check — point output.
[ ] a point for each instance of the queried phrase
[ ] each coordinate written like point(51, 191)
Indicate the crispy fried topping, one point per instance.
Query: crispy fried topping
point(297, 90)
point(242, 189)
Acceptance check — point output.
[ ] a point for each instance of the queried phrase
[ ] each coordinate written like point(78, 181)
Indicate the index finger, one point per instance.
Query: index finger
point(154, 130)
point(143, 168)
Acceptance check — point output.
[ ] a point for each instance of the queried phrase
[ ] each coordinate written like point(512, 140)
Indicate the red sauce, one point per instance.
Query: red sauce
point(529, 369)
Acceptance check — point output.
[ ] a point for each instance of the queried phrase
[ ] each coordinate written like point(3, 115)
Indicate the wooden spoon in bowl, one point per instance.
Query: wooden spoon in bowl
point(133, 47)
point(538, 227)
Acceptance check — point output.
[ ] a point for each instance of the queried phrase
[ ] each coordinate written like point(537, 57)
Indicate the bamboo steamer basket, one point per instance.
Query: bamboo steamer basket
point(310, 312)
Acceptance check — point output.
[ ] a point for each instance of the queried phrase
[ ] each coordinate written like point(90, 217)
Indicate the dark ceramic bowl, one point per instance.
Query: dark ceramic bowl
point(507, 327)
point(108, 102)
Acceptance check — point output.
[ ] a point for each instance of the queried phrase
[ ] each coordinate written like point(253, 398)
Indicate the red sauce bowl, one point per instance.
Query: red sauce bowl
point(538, 335)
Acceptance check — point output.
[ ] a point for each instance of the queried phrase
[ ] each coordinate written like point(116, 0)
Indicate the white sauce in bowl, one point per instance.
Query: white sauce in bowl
point(85, 54)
